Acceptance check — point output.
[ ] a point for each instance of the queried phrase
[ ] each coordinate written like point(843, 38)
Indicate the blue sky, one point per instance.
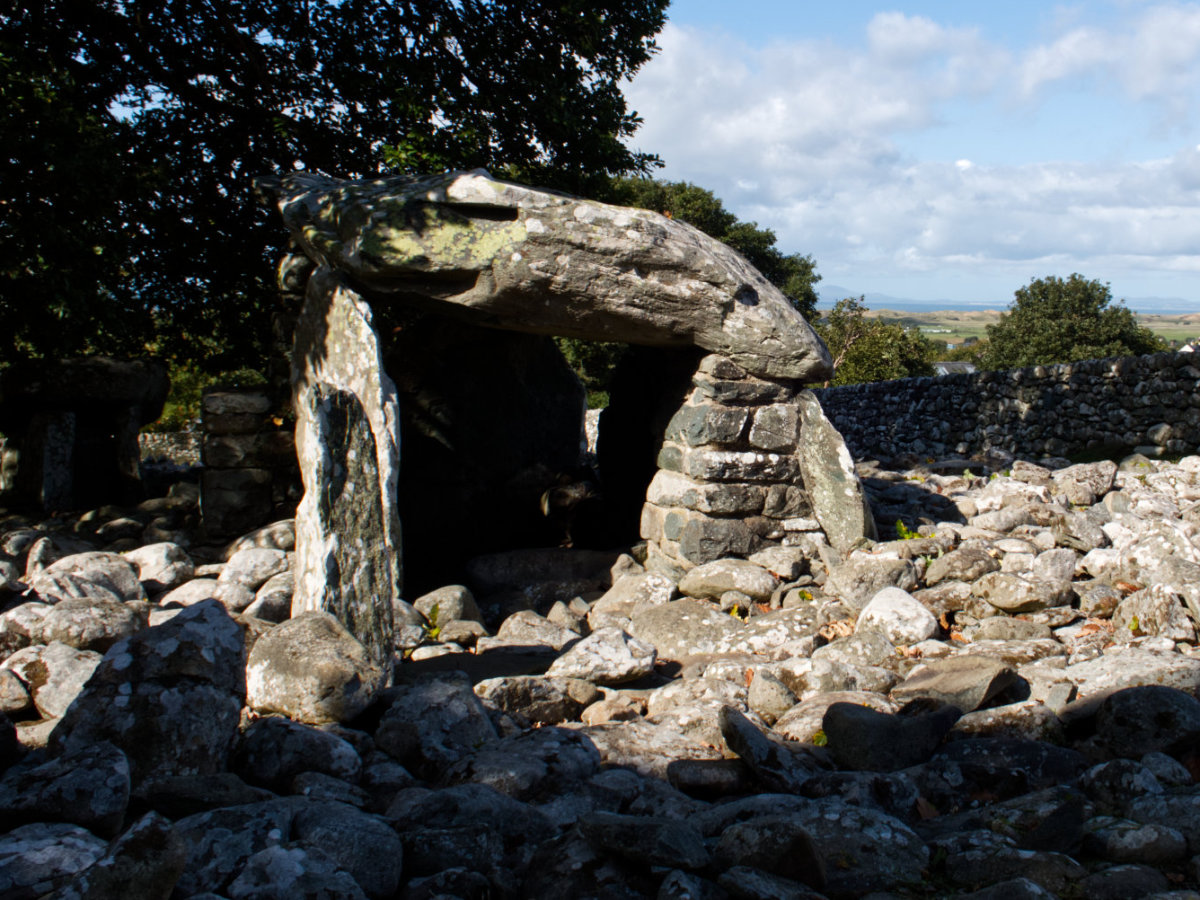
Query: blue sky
point(943, 151)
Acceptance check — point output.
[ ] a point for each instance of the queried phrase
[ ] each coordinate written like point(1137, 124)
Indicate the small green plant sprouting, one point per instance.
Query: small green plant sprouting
point(1134, 625)
point(820, 739)
point(431, 627)
point(904, 532)
point(968, 475)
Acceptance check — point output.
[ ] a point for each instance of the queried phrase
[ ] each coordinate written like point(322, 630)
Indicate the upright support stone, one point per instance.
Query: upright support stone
point(347, 439)
point(828, 471)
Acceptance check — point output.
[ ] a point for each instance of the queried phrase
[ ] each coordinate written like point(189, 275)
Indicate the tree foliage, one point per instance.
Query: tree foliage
point(866, 349)
point(1056, 320)
point(134, 130)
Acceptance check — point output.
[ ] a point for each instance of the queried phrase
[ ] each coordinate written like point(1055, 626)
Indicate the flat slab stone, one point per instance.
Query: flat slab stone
point(598, 272)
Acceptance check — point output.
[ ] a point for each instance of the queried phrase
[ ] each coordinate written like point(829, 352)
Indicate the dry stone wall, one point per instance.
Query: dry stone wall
point(1150, 403)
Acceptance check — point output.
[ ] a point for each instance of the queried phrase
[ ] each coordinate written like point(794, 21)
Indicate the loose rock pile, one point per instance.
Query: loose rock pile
point(1001, 705)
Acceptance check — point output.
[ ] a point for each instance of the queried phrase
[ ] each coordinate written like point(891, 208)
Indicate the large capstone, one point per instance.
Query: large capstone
point(518, 258)
point(68, 430)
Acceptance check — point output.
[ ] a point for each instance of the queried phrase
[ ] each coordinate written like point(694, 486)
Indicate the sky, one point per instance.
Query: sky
point(939, 150)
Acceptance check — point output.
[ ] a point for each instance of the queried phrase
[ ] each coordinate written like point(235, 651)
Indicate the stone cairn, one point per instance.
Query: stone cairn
point(733, 477)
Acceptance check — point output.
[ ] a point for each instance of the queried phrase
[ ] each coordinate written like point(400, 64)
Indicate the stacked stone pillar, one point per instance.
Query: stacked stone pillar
point(748, 463)
point(249, 461)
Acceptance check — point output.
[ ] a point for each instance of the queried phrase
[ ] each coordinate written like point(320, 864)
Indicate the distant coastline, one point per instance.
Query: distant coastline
point(828, 295)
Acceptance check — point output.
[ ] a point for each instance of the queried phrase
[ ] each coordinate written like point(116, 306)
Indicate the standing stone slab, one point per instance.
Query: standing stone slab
point(347, 438)
point(828, 472)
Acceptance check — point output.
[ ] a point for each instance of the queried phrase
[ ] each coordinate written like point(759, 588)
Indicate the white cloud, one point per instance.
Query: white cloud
point(806, 138)
point(1153, 56)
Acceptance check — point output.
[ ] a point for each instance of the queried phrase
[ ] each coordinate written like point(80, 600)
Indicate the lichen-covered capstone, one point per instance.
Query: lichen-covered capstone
point(518, 258)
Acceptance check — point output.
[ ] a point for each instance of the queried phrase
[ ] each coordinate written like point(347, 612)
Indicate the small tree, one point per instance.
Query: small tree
point(865, 349)
point(1056, 320)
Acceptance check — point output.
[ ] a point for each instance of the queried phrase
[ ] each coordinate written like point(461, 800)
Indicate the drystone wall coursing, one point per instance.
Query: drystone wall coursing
point(1147, 403)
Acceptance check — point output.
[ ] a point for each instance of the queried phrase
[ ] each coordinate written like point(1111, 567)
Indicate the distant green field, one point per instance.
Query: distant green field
point(955, 326)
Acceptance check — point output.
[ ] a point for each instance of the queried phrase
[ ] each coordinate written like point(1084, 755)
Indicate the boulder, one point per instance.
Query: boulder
point(313, 670)
point(169, 697)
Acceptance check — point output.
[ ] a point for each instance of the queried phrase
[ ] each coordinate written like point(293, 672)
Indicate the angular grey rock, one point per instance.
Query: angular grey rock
point(170, 697)
point(469, 804)
point(869, 647)
point(219, 842)
point(961, 564)
point(1149, 719)
point(161, 567)
point(347, 440)
point(90, 624)
point(1054, 872)
point(1054, 566)
point(273, 601)
point(14, 696)
point(54, 587)
point(1131, 667)
point(274, 750)
point(144, 862)
point(89, 787)
point(902, 619)
point(311, 669)
point(454, 603)
point(864, 739)
point(710, 580)
point(1086, 483)
point(803, 721)
point(607, 656)
point(1125, 881)
point(37, 858)
point(528, 627)
point(54, 674)
point(780, 845)
point(541, 699)
point(533, 765)
point(1126, 841)
point(108, 570)
point(776, 764)
point(647, 748)
point(432, 724)
point(22, 626)
point(279, 535)
point(862, 575)
point(684, 628)
point(1014, 594)
point(362, 844)
point(191, 592)
point(769, 697)
point(252, 566)
point(1157, 610)
point(511, 242)
point(281, 873)
point(629, 594)
point(966, 682)
point(1113, 784)
point(828, 471)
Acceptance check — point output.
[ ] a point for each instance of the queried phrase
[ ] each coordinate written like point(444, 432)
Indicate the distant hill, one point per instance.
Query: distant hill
point(829, 294)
